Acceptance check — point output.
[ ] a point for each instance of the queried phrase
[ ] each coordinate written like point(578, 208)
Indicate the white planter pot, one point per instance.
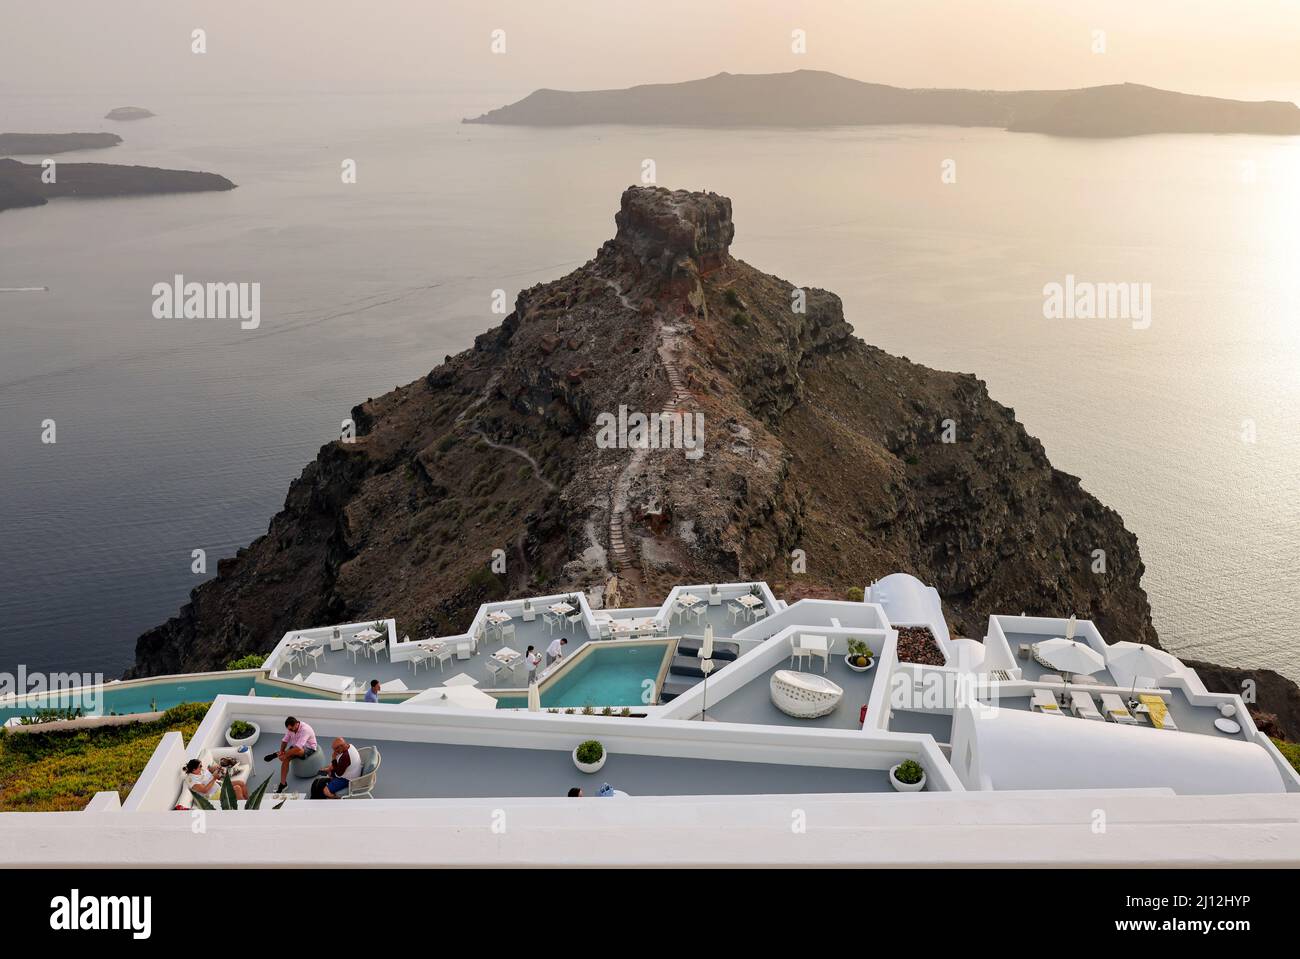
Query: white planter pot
point(861, 669)
point(247, 741)
point(590, 768)
point(905, 787)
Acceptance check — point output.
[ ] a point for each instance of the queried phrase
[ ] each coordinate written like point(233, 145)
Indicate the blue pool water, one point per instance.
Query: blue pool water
point(614, 675)
point(148, 697)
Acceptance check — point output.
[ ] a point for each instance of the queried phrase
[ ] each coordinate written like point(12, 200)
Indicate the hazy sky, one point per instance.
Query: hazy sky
point(1239, 48)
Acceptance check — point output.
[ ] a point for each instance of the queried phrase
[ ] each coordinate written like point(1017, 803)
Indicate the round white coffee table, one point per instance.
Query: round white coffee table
point(1225, 725)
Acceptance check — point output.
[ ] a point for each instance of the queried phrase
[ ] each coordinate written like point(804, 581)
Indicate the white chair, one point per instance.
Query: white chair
point(551, 621)
point(798, 652)
point(824, 654)
point(421, 658)
point(443, 656)
point(314, 654)
point(355, 646)
point(574, 620)
point(364, 785)
point(735, 611)
point(495, 668)
point(700, 612)
point(1227, 710)
point(758, 613)
point(507, 632)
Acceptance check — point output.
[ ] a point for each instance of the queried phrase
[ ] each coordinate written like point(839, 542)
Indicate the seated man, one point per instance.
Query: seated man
point(207, 782)
point(299, 742)
point(345, 765)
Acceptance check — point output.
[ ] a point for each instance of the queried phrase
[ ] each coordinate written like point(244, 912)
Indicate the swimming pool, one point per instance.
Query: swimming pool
point(604, 674)
point(151, 695)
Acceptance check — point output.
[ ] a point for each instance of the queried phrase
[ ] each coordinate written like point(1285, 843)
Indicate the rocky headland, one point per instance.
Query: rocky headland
point(813, 441)
point(48, 144)
point(129, 113)
point(21, 184)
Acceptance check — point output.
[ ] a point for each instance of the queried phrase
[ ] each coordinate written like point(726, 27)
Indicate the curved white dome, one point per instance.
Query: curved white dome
point(905, 599)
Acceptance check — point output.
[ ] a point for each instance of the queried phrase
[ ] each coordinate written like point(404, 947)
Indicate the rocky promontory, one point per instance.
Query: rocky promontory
point(826, 463)
point(22, 184)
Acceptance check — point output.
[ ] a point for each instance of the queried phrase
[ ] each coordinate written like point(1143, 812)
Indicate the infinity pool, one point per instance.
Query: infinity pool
point(123, 699)
point(604, 674)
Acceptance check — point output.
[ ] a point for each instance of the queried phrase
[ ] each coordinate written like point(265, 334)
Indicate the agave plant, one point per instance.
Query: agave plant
point(228, 799)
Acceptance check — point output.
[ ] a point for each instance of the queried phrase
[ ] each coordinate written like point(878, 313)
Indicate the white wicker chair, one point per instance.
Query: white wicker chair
point(804, 695)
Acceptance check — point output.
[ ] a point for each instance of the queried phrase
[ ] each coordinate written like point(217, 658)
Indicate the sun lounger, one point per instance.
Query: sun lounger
point(690, 646)
point(1157, 711)
point(1045, 702)
point(1081, 705)
point(1115, 710)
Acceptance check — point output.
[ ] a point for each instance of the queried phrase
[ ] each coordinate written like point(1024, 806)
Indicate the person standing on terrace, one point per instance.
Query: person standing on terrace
point(372, 694)
point(299, 742)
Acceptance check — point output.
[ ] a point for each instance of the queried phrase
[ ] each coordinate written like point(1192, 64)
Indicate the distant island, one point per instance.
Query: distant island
point(21, 184)
point(47, 144)
point(128, 113)
point(815, 98)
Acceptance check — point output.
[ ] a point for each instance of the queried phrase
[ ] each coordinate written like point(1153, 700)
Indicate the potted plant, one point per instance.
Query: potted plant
point(241, 733)
point(589, 756)
point(907, 777)
point(859, 658)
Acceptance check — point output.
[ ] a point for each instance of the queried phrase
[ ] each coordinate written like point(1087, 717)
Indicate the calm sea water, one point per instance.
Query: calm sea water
point(184, 434)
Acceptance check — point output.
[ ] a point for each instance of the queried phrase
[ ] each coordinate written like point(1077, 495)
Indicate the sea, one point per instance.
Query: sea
point(177, 435)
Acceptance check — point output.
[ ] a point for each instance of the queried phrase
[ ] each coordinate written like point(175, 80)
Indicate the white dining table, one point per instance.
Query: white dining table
point(560, 609)
point(749, 601)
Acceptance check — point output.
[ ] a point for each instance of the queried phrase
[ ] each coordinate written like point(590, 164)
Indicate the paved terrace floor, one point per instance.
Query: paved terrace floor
point(717, 616)
point(938, 725)
point(1033, 671)
point(443, 771)
point(752, 703)
point(1198, 720)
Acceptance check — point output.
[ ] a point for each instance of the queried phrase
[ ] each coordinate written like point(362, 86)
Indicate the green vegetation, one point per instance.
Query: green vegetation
point(1290, 751)
point(251, 661)
point(909, 771)
point(853, 594)
point(241, 730)
point(732, 298)
point(229, 800)
point(52, 771)
point(590, 752)
point(484, 579)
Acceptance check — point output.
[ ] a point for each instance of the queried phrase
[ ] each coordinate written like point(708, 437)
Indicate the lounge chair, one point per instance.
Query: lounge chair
point(364, 784)
point(690, 646)
point(1157, 711)
point(1115, 710)
point(1044, 701)
point(1081, 705)
point(240, 772)
point(690, 666)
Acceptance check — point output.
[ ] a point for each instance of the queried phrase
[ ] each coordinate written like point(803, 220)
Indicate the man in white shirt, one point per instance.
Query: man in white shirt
point(344, 767)
point(555, 650)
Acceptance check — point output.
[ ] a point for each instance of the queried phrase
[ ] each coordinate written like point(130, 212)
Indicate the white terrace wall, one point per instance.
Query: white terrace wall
point(816, 616)
point(325, 634)
point(524, 730)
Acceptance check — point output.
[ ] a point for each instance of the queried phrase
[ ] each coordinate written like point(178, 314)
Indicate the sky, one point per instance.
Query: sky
point(1234, 48)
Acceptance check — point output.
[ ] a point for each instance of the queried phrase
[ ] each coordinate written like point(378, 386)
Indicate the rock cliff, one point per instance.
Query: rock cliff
point(824, 463)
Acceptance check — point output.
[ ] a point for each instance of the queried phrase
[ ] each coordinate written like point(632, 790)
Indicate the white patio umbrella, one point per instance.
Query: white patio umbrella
point(466, 697)
point(534, 698)
point(1142, 661)
point(706, 666)
point(1070, 627)
point(1070, 656)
